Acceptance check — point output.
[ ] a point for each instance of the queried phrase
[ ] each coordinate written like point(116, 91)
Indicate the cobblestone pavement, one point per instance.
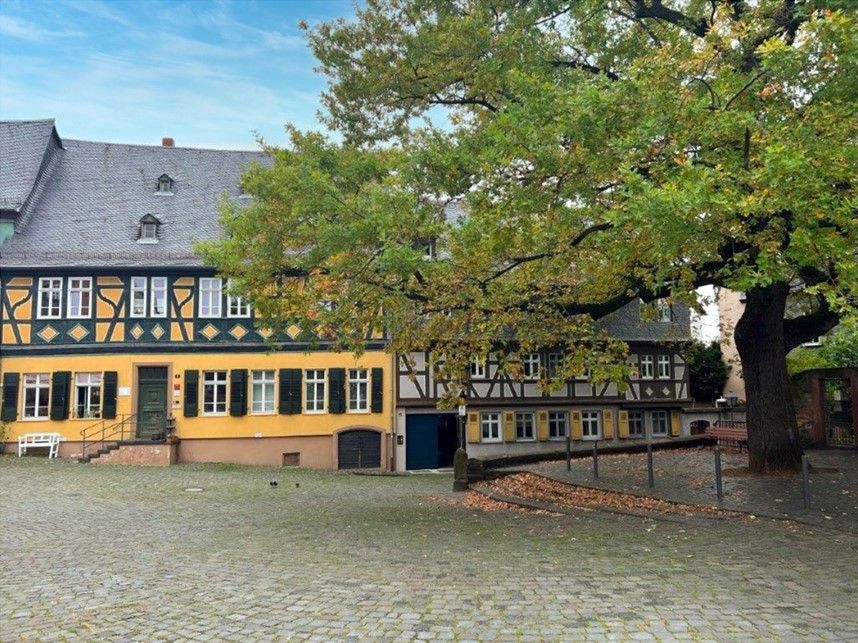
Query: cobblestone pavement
point(688, 475)
point(127, 553)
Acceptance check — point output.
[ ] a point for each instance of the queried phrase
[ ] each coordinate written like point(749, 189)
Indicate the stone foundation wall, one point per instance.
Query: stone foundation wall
point(141, 455)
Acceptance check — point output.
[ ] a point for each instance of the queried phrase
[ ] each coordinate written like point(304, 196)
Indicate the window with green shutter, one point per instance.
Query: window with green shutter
point(192, 393)
point(238, 392)
point(337, 393)
point(60, 383)
point(109, 409)
point(9, 412)
point(377, 402)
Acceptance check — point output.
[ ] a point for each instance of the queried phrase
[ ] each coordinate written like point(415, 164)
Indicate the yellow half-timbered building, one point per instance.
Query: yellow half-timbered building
point(114, 333)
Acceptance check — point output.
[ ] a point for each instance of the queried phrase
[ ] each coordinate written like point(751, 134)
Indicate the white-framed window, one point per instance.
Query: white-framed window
point(664, 367)
point(214, 392)
point(664, 311)
point(586, 375)
point(358, 390)
point(558, 424)
point(646, 367)
point(555, 364)
point(237, 307)
point(478, 367)
point(159, 297)
point(79, 299)
point(139, 287)
point(37, 392)
point(490, 427)
point(315, 381)
point(262, 392)
point(165, 184)
point(591, 425)
point(87, 395)
point(530, 366)
point(211, 289)
point(659, 422)
point(524, 427)
point(148, 232)
point(50, 297)
point(636, 424)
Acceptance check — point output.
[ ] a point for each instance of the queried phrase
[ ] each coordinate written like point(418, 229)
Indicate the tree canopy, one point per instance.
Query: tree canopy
point(562, 159)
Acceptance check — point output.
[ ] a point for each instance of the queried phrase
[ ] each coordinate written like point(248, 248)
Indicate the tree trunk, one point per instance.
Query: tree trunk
point(773, 442)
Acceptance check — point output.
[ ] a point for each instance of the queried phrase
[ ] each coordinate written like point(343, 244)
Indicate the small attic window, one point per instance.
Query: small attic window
point(149, 229)
point(165, 185)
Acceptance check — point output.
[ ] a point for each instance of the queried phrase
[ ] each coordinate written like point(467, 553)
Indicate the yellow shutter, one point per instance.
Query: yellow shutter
point(576, 425)
point(675, 422)
point(473, 427)
point(509, 426)
point(542, 425)
point(608, 424)
point(623, 421)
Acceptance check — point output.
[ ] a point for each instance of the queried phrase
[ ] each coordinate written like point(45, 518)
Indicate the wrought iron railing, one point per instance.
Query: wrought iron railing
point(103, 431)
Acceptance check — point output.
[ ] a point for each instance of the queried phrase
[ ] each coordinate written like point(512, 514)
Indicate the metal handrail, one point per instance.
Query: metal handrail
point(102, 432)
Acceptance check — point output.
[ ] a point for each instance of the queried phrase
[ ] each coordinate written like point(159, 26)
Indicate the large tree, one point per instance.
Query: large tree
point(565, 159)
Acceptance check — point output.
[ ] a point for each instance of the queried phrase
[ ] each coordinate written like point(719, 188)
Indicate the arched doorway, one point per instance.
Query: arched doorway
point(359, 449)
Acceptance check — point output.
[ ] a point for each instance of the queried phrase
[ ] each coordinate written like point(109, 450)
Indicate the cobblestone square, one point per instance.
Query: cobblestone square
point(126, 553)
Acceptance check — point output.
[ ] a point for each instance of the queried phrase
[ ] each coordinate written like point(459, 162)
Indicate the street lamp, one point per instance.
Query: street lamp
point(460, 458)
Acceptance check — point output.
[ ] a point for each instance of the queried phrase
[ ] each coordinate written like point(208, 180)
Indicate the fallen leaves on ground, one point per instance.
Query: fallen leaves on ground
point(533, 487)
point(481, 502)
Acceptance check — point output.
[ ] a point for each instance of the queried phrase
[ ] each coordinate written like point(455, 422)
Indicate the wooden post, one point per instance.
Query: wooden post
point(718, 488)
point(649, 468)
point(596, 460)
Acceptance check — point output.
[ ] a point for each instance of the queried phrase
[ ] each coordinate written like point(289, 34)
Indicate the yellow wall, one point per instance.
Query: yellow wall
point(207, 426)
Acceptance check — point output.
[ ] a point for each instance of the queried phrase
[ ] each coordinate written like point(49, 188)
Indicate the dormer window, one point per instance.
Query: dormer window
point(149, 229)
point(165, 185)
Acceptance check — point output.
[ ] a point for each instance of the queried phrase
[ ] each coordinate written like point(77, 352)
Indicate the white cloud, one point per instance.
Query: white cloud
point(22, 30)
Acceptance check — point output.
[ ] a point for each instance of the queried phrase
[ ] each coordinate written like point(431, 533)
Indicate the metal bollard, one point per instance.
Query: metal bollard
point(805, 482)
point(596, 460)
point(649, 469)
point(719, 491)
point(568, 453)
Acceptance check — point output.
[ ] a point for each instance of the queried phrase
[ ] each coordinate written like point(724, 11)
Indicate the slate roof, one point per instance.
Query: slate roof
point(23, 145)
point(90, 211)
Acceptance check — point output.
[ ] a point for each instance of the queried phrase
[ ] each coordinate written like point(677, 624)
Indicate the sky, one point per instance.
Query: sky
point(208, 73)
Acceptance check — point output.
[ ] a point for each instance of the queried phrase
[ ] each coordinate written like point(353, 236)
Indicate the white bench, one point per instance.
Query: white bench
point(49, 440)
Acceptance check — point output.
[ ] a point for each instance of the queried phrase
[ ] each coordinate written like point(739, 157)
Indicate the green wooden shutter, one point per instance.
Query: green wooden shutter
point(60, 395)
point(290, 391)
point(377, 390)
point(238, 392)
point(192, 393)
point(9, 412)
point(337, 394)
point(108, 408)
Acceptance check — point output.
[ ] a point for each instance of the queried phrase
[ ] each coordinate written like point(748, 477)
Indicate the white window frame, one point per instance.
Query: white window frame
point(492, 421)
point(661, 414)
point(316, 383)
point(76, 285)
point(358, 380)
point(267, 403)
point(242, 307)
point(663, 361)
point(148, 232)
point(531, 366)
point(639, 418)
point(47, 287)
point(478, 368)
point(664, 310)
point(136, 288)
point(41, 384)
point(588, 418)
point(647, 367)
point(89, 381)
point(215, 379)
point(525, 417)
point(165, 289)
point(210, 291)
point(554, 418)
point(165, 181)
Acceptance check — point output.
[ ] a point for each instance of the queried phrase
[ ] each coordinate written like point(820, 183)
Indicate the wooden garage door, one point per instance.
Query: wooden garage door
point(359, 449)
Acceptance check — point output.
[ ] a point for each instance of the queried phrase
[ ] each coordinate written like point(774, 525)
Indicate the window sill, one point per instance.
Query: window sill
point(214, 415)
point(36, 419)
point(359, 412)
point(591, 438)
point(262, 413)
point(491, 441)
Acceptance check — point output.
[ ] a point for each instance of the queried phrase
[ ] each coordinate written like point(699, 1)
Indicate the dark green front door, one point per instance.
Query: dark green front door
point(152, 402)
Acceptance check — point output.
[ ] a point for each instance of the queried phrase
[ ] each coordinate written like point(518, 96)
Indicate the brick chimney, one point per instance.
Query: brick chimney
point(167, 141)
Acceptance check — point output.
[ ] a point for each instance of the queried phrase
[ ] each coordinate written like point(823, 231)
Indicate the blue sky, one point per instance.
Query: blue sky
point(207, 73)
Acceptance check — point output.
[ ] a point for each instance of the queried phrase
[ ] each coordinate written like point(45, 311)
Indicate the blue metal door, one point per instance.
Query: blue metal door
point(421, 441)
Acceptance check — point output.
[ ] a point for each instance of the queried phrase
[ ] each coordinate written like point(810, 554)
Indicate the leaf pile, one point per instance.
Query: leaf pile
point(481, 502)
point(533, 487)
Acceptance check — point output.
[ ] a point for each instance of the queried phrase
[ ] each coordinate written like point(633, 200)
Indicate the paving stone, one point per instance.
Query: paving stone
point(133, 557)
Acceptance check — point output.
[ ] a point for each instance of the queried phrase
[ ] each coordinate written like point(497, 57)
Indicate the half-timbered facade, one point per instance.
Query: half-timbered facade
point(506, 416)
point(112, 328)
